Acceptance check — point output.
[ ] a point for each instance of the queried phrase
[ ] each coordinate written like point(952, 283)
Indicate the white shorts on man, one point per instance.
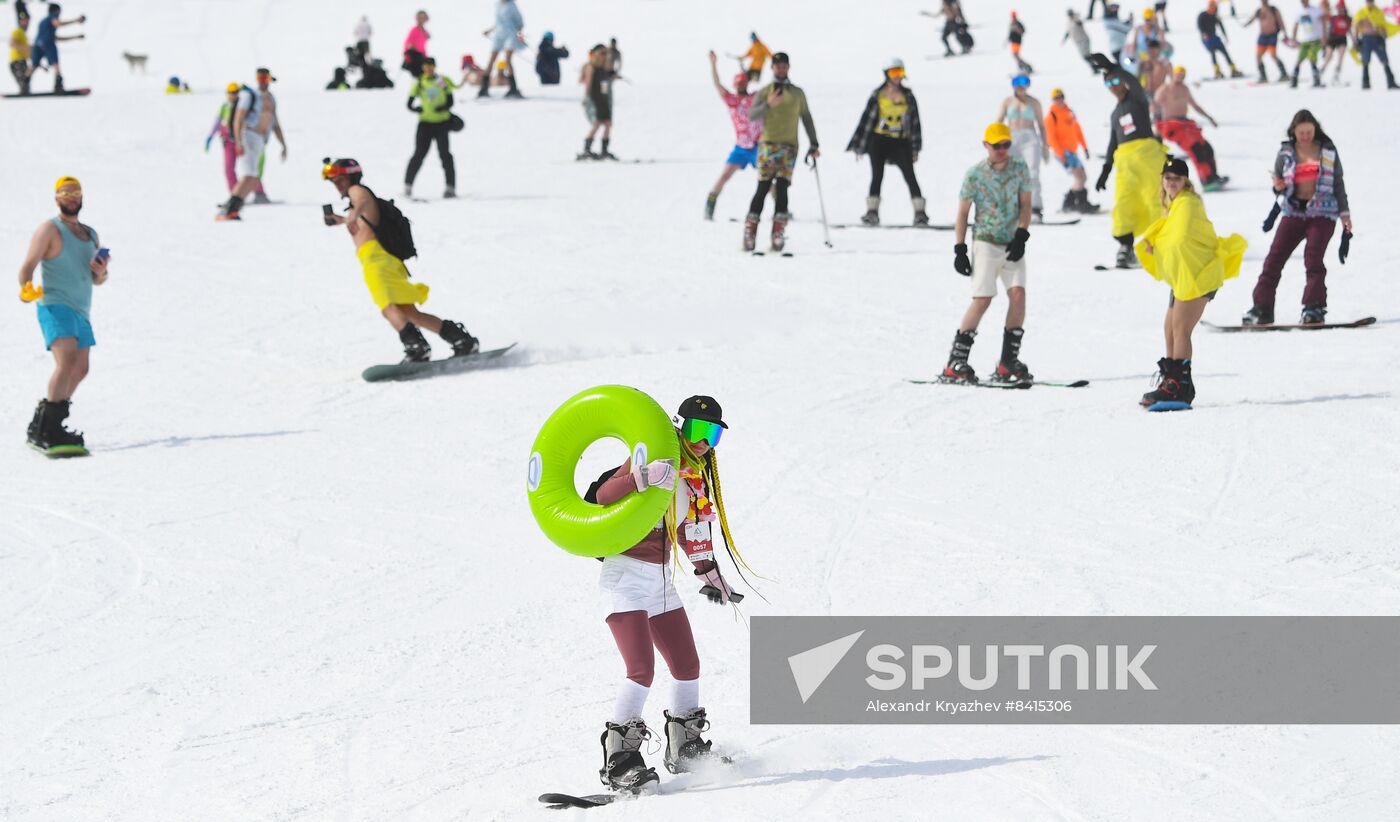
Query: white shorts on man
point(989, 264)
point(253, 146)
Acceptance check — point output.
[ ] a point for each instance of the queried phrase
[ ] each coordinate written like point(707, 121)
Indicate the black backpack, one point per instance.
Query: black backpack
point(394, 231)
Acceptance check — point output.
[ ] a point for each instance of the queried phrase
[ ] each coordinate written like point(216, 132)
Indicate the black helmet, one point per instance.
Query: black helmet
point(344, 166)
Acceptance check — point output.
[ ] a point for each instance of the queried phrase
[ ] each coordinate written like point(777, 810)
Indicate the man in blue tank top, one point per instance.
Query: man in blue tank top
point(71, 262)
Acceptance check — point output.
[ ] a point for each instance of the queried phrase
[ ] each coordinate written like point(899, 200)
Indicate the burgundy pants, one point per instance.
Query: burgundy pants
point(1291, 231)
point(669, 632)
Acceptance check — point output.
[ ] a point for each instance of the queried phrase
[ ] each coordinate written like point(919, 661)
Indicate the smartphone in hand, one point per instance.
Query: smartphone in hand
point(103, 254)
point(328, 214)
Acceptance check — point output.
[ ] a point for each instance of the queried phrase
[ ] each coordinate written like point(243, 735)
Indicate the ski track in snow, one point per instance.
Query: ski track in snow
point(278, 592)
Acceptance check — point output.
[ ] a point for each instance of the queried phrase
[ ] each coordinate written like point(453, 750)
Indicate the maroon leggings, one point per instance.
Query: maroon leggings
point(1291, 231)
point(670, 632)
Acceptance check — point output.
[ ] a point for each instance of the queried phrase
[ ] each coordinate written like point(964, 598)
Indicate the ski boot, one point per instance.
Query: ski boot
point(58, 86)
point(231, 209)
point(587, 153)
point(710, 202)
point(1313, 315)
point(35, 433)
point(415, 348)
point(261, 198)
point(1258, 315)
point(683, 743)
point(456, 335)
point(605, 154)
point(920, 212)
point(750, 232)
point(408, 191)
point(450, 193)
point(623, 767)
point(1010, 369)
point(514, 92)
point(51, 428)
point(872, 211)
point(1071, 202)
point(780, 221)
point(957, 369)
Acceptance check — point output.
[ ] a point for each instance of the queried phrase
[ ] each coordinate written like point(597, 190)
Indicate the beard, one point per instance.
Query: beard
point(70, 211)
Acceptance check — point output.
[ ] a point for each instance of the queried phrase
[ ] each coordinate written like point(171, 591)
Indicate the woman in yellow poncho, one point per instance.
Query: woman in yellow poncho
point(1182, 250)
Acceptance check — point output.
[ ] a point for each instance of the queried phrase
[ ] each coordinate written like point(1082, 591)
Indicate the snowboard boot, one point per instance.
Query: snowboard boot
point(485, 90)
point(588, 150)
point(1037, 215)
point(780, 221)
point(415, 348)
point(1390, 79)
point(1313, 315)
point(1258, 315)
point(35, 433)
point(261, 198)
point(1175, 384)
point(684, 746)
point(1219, 75)
point(1215, 183)
point(1126, 257)
point(710, 202)
point(623, 767)
point(957, 369)
point(456, 335)
point(1010, 369)
point(1365, 77)
point(1071, 202)
point(58, 89)
point(605, 154)
point(872, 211)
point(514, 92)
point(750, 232)
point(920, 211)
point(231, 209)
point(51, 427)
point(1235, 73)
point(1164, 366)
point(450, 193)
point(408, 191)
point(1086, 207)
point(1293, 83)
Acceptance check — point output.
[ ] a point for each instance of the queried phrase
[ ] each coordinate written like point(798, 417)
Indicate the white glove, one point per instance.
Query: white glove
point(715, 587)
point(659, 474)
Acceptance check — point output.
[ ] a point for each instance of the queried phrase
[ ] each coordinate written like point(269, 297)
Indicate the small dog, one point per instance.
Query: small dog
point(135, 61)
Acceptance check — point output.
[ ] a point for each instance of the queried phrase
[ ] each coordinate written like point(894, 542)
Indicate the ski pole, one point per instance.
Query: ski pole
point(826, 229)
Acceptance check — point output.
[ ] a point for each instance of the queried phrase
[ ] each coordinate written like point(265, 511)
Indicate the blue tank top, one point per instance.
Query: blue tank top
point(67, 278)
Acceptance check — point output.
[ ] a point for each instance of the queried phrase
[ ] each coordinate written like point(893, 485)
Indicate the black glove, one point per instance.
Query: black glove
point(1345, 247)
point(1273, 216)
point(1103, 177)
point(961, 262)
point(1016, 249)
point(412, 107)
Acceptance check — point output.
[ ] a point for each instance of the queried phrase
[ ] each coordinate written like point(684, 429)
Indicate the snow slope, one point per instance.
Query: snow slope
point(278, 592)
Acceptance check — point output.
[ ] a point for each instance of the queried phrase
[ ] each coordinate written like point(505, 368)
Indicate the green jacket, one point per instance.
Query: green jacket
point(780, 122)
point(432, 95)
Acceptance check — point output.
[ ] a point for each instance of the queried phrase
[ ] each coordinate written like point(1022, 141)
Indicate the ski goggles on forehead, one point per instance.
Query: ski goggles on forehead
point(330, 170)
point(701, 431)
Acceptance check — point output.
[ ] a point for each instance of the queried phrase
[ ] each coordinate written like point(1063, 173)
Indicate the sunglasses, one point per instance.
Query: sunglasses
point(1005, 145)
point(71, 194)
point(1113, 81)
point(702, 431)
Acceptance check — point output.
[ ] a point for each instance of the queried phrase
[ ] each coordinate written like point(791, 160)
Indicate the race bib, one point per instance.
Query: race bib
point(696, 541)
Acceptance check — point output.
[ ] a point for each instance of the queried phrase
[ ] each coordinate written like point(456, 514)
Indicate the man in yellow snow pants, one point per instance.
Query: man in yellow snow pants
point(1134, 148)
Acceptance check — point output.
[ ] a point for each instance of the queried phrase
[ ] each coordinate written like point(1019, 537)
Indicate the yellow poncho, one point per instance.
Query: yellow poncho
point(1186, 253)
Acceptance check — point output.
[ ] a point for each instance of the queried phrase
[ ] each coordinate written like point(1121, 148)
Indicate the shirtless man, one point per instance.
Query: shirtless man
point(1156, 70)
point(254, 117)
point(1270, 28)
point(1022, 114)
point(386, 275)
point(1174, 101)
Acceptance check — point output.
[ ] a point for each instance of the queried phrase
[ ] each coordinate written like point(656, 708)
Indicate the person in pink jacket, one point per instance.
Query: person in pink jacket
point(415, 45)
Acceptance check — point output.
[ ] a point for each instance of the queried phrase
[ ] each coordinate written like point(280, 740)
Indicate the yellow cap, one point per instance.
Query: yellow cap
point(1148, 14)
point(63, 181)
point(232, 87)
point(996, 133)
point(1179, 70)
point(1056, 92)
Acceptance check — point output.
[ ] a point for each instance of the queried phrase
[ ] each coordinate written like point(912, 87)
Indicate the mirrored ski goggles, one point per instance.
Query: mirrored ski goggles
point(1112, 81)
point(331, 170)
point(702, 431)
point(895, 73)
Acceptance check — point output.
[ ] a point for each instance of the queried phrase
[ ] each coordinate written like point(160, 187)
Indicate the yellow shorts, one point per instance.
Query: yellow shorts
point(387, 278)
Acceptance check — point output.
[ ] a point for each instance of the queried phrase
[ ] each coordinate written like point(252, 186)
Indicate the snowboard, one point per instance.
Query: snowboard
point(1134, 267)
point(1003, 385)
point(1169, 405)
point(58, 452)
point(1364, 321)
point(948, 226)
point(433, 368)
point(561, 801)
point(72, 92)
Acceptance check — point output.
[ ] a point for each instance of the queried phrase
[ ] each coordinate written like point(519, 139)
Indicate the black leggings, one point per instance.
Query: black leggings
point(780, 187)
point(427, 134)
point(891, 150)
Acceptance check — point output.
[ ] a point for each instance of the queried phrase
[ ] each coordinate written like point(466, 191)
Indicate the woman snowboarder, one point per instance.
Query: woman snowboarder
point(889, 132)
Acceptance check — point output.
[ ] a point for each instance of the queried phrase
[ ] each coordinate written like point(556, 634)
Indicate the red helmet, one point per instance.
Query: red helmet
point(338, 168)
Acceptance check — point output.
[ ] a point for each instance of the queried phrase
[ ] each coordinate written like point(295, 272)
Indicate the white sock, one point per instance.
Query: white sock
point(631, 697)
point(686, 697)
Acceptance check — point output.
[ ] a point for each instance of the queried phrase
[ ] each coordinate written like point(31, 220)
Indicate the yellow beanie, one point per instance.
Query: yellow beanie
point(63, 181)
point(996, 133)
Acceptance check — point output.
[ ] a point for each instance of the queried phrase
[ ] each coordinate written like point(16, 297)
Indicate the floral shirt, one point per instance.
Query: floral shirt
point(746, 131)
point(997, 196)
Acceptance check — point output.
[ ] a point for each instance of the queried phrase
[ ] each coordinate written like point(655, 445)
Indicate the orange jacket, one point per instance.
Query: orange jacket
point(1062, 130)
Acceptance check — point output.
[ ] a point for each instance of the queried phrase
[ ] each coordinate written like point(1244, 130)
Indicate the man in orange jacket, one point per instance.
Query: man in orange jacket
point(1065, 138)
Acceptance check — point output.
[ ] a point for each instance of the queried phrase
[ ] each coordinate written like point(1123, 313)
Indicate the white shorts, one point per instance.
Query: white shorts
point(253, 146)
point(989, 264)
point(628, 584)
point(502, 39)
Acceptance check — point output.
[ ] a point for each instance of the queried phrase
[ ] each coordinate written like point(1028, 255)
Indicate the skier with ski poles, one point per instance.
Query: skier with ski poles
point(1134, 149)
point(1213, 37)
point(1023, 115)
point(1174, 100)
point(780, 105)
point(71, 260)
point(746, 131)
point(644, 610)
point(383, 240)
point(1065, 138)
point(1182, 249)
point(1000, 188)
point(889, 131)
point(1311, 193)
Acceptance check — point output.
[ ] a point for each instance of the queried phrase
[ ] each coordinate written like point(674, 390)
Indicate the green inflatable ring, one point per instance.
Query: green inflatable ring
point(581, 527)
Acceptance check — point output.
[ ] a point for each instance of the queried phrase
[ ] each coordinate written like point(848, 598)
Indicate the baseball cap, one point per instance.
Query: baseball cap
point(267, 71)
point(781, 57)
point(701, 407)
point(996, 133)
point(1177, 166)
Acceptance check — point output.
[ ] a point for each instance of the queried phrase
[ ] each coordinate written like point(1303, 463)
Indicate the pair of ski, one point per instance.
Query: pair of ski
point(1001, 385)
point(946, 227)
